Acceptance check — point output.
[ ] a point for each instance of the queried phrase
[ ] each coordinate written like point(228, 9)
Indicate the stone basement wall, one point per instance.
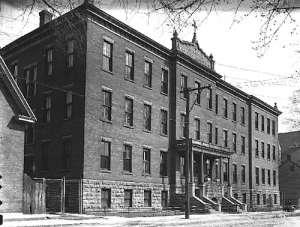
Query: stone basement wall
point(92, 195)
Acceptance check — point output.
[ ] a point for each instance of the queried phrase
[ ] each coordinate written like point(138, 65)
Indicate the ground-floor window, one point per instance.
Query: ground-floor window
point(164, 198)
point(264, 199)
point(147, 198)
point(275, 199)
point(258, 199)
point(128, 198)
point(244, 197)
point(105, 198)
point(235, 195)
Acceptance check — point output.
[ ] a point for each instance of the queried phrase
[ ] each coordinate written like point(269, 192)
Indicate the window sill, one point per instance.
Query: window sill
point(183, 98)
point(127, 173)
point(29, 144)
point(164, 135)
point(48, 75)
point(146, 174)
point(106, 121)
point(197, 104)
point(67, 118)
point(226, 118)
point(163, 176)
point(109, 72)
point(129, 126)
point(243, 124)
point(146, 86)
point(105, 171)
point(234, 121)
point(46, 123)
point(146, 130)
point(210, 109)
point(165, 94)
point(30, 97)
point(130, 80)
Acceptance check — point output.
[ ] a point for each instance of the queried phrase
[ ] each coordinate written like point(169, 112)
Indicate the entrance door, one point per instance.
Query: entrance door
point(28, 165)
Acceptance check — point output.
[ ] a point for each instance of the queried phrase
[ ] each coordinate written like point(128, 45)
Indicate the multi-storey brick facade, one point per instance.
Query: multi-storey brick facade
point(111, 114)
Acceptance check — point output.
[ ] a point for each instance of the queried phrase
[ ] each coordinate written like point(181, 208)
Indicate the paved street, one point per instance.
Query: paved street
point(277, 218)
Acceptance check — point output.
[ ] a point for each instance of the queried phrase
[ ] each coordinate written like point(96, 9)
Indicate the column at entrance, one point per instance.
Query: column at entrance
point(201, 176)
point(220, 170)
point(229, 187)
point(192, 183)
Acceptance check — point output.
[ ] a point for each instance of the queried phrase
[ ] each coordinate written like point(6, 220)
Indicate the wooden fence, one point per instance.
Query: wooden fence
point(34, 195)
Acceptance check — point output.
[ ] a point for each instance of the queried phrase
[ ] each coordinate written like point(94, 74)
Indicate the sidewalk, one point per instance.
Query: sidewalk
point(93, 220)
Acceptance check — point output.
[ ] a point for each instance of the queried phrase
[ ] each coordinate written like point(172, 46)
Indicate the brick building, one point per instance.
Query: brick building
point(112, 116)
point(15, 113)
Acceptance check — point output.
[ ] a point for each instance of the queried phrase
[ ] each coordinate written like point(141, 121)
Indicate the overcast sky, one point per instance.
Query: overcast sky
point(232, 47)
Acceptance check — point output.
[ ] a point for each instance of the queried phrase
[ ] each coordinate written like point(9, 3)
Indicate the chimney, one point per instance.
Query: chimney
point(45, 17)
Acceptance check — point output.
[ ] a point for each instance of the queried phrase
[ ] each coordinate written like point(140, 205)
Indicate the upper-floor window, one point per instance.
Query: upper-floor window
point(216, 135)
point(49, 59)
point(274, 177)
point(164, 122)
point(146, 160)
point(268, 126)
point(47, 108)
point(164, 81)
point(243, 150)
point(148, 74)
point(128, 111)
point(66, 154)
point(45, 156)
point(30, 81)
point(256, 148)
point(257, 175)
point(182, 122)
point(163, 163)
point(263, 176)
point(106, 105)
point(243, 174)
point(209, 132)
point(29, 133)
point(68, 104)
point(225, 108)
point(273, 128)
point(15, 72)
point(107, 56)
point(268, 151)
point(256, 121)
point(262, 123)
point(209, 98)
point(105, 154)
point(70, 53)
point(129, 66)
point(234, 111)
point(197, 92)
point(197, 129)
point(225, 138)
point(234, 173)
point(234, 142)
point(269, 177)
point(262, 149)
point(183, 86)
point(217, 104)
point(147, 117)
point(242, 115)
point(274, 153)
point(127, 158)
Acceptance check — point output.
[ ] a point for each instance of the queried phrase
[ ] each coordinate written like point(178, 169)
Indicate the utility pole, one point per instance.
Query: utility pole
point(188, 154)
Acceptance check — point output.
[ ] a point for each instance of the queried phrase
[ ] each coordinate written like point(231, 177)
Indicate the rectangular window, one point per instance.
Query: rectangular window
point(164, 122)
point(105, 155)
point(258, 199)
point(148, 74)
point(197, 129)
point(129, 66)
point(225, 171)
point(105, 198)
point(197, 93)
point(275, 199)
point(146, 160)
point(256, 148)
point(30, 82)
point(209, 132)
point(66, 155)
point(182, 166)
point(163, 163)
point(217, 104)
point(264, 199)
point(216, 135)
point(70, 53)
point(262, 123)
point(268, 151)
point(107, 56)
point(68, 104)
point(256, 121)
point(234, 142)
point(243, 174)
point(45, 156)
point(164, 81)
point(147, 117)
point(182, 122)
point(147, 198)
point(128, 112)
point(243, 115)
point(263, 176)
point(243, 150)
point(225, 138)
point(257, 175)
point(127, 158)
point(106, 105)
point(29, 133)
point(209, 98)
point(273, 128)
point(127, 198)
point(47, 109)
point(183, 86)
point(269, 177)
point(15, 72)
point(268, 126)
point(225, 108)
point(274, 177)
point(234, 173)
point(164, 198)
point(244, 197)
point(262, 149)
point(49, 59)
point(234, 111)
point(274, 153)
